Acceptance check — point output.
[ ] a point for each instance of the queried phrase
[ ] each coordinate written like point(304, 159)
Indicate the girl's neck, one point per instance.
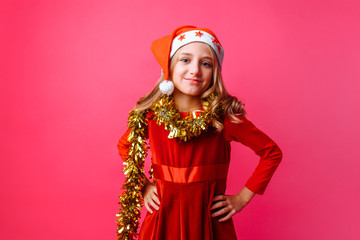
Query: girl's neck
point(186, 103)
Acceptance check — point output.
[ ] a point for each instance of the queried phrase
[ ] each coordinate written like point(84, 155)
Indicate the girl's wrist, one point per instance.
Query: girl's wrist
point(146, 182)
point(246, 194)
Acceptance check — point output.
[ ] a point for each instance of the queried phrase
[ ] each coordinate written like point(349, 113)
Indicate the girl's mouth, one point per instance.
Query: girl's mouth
point(193, 80)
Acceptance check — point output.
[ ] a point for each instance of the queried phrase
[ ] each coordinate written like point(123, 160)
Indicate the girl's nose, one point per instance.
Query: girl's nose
point(195, 68)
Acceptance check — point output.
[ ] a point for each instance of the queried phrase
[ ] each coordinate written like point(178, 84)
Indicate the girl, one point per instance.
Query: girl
point(190, 120)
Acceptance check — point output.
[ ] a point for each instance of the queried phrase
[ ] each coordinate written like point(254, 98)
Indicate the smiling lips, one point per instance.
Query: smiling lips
point(193, 80)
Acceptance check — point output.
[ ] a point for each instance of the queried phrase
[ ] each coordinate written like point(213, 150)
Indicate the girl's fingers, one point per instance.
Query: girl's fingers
point(149, 203)
point(156, 199)
point(151, 199)
point(231, 205)
point(218, 204)
point(219, 197)
point(228, 216)
point(154, 196)
point(220, 212)
point(147, 206)
point(153, 204)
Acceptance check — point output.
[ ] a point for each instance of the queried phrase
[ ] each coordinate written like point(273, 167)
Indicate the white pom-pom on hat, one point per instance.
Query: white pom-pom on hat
point(166, 87)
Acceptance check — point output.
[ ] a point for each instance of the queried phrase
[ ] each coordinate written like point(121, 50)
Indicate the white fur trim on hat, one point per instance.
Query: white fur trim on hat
point(197, 36)
point(166, 87)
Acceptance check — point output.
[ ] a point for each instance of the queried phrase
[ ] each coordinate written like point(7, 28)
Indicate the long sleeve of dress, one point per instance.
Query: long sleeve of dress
point(123, 145)
point(263, 146)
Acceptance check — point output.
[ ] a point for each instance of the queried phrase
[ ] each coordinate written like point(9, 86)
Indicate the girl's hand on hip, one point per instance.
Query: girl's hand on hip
point(231, 204)
point(150, 196)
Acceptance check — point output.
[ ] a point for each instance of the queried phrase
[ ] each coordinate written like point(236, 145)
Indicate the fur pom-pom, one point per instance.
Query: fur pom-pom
point(166, 87)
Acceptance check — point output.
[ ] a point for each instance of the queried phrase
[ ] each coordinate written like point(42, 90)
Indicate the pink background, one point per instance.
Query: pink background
point(71, 70)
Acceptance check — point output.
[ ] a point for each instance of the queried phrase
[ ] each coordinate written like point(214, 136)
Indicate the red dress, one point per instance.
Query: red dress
point(189, 174)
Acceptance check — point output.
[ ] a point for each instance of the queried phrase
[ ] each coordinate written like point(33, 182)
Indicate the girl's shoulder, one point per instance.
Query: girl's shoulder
point(239, 119)
point(237, 128)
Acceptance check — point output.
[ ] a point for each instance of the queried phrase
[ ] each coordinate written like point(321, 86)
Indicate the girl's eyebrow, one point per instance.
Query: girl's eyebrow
point(189, 54)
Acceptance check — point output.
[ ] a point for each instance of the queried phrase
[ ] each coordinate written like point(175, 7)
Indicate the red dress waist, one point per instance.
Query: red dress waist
point(190, 174)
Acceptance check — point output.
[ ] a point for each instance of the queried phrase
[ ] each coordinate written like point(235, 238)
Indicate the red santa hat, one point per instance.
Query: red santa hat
point(165, 47)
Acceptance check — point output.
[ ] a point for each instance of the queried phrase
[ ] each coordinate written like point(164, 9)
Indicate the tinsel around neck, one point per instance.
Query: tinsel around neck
point(165, 113)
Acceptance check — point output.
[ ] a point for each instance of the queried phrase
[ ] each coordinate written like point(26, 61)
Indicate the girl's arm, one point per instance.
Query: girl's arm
point(123, 145)
point(149, 188)
point(270, 157)
point(262, 145)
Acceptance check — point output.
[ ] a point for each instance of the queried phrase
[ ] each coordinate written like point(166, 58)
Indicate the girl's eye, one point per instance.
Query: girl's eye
point(184, 60)
point(206, 64)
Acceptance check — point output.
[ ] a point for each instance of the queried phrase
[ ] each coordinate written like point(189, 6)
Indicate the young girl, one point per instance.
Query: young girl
point(189, 120)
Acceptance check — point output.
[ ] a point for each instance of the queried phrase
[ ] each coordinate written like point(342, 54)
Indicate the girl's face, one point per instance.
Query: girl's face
point(192, 72)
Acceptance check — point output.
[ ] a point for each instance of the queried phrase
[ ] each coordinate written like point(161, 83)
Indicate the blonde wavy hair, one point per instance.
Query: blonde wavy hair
point(231, 105)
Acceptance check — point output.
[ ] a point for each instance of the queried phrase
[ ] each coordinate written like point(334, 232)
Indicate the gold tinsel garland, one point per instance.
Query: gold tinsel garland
point(131, 199)
point(164, 112)
point(184, 128)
